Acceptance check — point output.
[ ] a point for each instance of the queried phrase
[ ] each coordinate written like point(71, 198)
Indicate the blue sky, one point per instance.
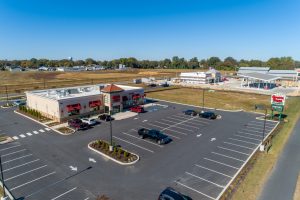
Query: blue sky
point(149, 29)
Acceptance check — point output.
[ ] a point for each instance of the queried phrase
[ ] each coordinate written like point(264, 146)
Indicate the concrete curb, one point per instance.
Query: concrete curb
point(41, 123)
point(8, 140)
point(246, 162)
point(112, 159)
point(196, 106)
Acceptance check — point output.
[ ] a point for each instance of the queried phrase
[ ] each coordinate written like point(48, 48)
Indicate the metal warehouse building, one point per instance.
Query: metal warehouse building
point(62, 103)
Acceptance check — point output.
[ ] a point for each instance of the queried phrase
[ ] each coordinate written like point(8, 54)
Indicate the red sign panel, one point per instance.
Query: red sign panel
point(278, 99)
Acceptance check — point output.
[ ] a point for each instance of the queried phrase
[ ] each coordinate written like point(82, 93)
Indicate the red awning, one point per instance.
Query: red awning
point(116, 98)
point(95, 103)
point(73, 107)
point(136, 96)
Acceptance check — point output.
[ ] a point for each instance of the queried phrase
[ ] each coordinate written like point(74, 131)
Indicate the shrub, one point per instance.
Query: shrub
point(126, 154)
point(119, 152)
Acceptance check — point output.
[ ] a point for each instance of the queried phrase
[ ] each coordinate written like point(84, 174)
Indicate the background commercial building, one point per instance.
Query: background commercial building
point(63, 103)
point(211, 76)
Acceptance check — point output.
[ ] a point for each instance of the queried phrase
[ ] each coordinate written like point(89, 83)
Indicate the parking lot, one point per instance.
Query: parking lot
point(202, 159)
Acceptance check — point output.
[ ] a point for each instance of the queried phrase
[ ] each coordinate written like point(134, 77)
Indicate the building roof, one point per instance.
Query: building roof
point(260, 76)
point(111, 88)
point(244, 70)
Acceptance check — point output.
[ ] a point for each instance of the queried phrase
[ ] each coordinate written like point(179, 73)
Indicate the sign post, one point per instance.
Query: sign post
point(277, 102)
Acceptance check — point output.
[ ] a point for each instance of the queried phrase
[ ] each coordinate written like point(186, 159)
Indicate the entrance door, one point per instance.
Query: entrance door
point(116, 109)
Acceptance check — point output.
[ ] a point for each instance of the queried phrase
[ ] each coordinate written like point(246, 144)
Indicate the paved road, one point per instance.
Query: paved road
point(282, 182)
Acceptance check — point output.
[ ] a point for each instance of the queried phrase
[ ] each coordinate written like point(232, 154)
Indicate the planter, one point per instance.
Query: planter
point(118, 155)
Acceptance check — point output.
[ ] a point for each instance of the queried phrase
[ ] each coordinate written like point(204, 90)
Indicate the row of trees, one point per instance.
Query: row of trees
point(228, 63)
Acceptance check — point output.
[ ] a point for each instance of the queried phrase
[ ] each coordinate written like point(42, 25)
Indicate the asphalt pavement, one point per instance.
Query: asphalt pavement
point(282, 181)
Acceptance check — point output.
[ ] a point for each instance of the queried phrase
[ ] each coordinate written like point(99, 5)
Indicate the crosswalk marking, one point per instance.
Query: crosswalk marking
point(48, 129)
point(35, 132)
point(41, 130)
point(15, 137)
point(29, 134)
point(22, 136)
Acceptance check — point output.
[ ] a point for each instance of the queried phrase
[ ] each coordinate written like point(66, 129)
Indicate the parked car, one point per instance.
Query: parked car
point(190, 112)
point(208, 115)
point(90, 122)
point(171, 194)
point(152, 85)
point(153, 134)
point(77, 124)
point(106, 117)
point(137, 109)
point(19, 103)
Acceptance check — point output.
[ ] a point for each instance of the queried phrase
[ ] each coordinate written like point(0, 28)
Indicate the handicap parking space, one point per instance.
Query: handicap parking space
point(29, 177)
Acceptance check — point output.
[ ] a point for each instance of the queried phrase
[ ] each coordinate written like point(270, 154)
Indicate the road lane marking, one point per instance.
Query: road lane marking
point(17, 158)
point(11, 189)
point(133, 144)
point(221, 186)
point(21, 165)
point(41, 130)
point(35, 132)
point(25, 173)
point(188, 187)
point(248, 137)
point(221, 163)
point(227, 156)
point(29, 134)
point(233, 150)
point(213, 171)
point(11, 153)
point(238, 145)
point(22, 136)
point(64, 193)
point(242, 141)
point(10, 147)
point(143, 139)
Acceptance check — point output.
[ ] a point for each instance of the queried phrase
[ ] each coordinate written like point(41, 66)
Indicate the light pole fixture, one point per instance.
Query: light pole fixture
point(262, 107)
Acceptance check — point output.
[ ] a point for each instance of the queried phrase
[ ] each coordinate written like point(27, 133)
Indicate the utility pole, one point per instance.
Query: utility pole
point(264, 130)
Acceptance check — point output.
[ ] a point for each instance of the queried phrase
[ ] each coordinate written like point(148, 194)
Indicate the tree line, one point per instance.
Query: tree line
point(228, 63)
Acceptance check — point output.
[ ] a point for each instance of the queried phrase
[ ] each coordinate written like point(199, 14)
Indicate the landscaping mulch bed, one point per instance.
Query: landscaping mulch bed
point(53, 124)
point(118, 153)
point(42, 119)
point(65, 130)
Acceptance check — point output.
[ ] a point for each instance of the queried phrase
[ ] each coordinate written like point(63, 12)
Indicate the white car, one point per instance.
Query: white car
point(90, 121)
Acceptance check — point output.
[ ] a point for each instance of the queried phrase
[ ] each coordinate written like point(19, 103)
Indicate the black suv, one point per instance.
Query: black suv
point(208, 115)
point(77, 124)
point(106, 117)
point(171, 194)
point(190, 112)
point(153, 134)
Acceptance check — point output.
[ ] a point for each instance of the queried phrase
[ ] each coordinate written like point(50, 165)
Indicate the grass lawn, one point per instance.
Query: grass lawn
point(218, 99)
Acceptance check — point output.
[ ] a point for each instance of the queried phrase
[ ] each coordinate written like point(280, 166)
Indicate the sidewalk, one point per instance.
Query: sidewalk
point(282, 182)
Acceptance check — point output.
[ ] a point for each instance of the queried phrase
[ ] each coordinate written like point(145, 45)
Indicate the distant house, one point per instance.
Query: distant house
point(43, 68)
point(63, 69)
point(14, 69)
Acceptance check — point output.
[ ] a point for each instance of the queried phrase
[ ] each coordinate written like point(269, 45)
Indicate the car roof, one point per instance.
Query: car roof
point(172, 193)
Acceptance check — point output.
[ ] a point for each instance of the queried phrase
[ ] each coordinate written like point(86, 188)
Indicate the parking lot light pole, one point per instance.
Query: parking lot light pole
point(111, 138)
point(6, 95)
point(262, 107)
point(4, 196)
point(203, 91)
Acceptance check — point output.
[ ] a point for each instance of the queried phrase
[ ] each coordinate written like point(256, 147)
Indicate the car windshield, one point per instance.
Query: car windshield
point(92, 120)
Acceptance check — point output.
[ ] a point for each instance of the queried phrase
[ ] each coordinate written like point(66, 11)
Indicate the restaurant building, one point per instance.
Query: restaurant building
point(61, 104)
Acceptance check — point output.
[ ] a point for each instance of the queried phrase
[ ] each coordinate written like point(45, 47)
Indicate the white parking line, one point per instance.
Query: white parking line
point(64, 193)
point(221, 163)
point(213, 171)
point(252, 131)
point(156, 125)
point(15, 137)
point(248, 137)
point(227, 156)
point(11, 153)
point(10, 147)
point(21, 165)
point(165, 133)
point(29, 134)
point(25, 173)
point(181, 124)
point(170, 125)
point(176, 131)
point(11, 189)
point(194, 123)
point(35, 132)
point(47, 129)
point(194, 190)
point(17, 158)
point(221, 186)
point(133, 144)
point(142, 139)
point(41, 130)
point(22, 135)
point(261, 126)
point(249, 134)
point(233, 150)
point(243, 141)
point(238, 145)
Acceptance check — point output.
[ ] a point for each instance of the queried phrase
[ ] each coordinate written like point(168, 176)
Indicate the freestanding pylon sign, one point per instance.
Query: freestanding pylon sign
point(277, 103)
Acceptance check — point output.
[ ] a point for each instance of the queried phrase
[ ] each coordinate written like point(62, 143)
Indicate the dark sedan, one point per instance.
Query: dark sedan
point(208, 115)
point(190, 112)
point(171, 194)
